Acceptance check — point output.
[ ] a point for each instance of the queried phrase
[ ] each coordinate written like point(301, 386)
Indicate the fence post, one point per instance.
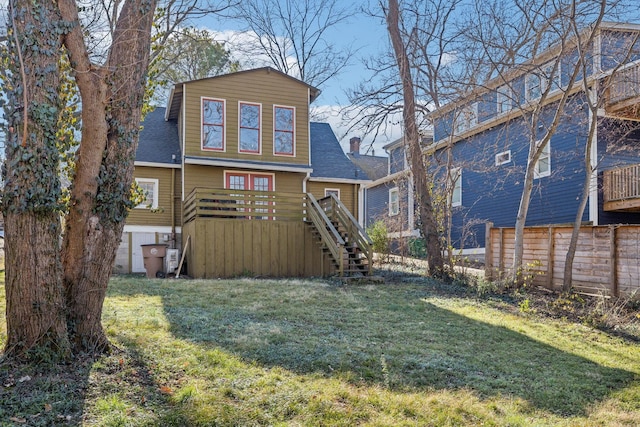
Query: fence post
point(550, 258)
point(501, 253)
point(613, 261)
point(488, 252)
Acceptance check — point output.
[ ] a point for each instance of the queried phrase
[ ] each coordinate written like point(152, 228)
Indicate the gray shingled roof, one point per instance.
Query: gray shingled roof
point(376, 167)
point(327, 158)
point(158, 139)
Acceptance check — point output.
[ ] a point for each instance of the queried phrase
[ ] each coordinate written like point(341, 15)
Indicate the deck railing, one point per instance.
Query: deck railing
point(243, 204)
point(624, 85)
point(621, 183)
point(328, 233)
point(337, 212)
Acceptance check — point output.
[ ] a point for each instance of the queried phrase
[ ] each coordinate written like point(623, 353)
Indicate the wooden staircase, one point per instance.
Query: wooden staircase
point(340, 235)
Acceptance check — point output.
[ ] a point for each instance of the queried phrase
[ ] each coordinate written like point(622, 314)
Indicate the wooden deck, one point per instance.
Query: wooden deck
point(621, 189)
point(255, 233)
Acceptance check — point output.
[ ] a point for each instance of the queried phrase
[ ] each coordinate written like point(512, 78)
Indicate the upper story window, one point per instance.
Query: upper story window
point(538, 81)
point(394, 201)
point(455, 180)
point(149, 188)
point(213, 117)
point(249, 132)
point(467, 118)
point(543, 165)
point(284, 137)
point(504, 99)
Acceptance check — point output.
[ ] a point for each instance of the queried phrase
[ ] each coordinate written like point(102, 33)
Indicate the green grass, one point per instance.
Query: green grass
point(308, 352)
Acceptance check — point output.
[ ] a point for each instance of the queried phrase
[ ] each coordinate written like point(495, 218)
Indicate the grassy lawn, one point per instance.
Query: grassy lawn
point(309, 352)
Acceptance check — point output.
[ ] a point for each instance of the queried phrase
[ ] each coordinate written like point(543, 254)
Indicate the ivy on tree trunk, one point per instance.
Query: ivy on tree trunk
point(31, 195)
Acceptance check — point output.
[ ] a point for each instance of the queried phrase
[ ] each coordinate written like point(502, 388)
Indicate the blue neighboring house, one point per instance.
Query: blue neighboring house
point(389, 197)
point(481, 143)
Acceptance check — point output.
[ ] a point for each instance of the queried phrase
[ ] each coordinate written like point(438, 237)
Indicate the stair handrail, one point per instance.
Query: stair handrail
point(328, 232)
point(355, 231)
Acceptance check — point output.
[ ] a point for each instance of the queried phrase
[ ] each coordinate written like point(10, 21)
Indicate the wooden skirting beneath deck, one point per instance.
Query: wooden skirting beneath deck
point(607, 260)
point(230, 247)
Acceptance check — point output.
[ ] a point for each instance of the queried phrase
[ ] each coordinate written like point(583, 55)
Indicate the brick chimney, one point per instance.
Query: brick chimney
point(354, 145)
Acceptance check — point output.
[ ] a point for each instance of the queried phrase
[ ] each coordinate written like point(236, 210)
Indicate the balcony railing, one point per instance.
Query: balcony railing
point(622, 188)
point(624, 85)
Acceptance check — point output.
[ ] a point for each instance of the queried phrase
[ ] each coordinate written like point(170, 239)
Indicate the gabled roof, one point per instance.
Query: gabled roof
point(374, 166)
point(175, 97)
point(159, 141)
point(327, 158)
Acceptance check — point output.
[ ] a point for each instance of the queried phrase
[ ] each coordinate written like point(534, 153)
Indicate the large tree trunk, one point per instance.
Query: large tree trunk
point(31, 197)
point(112, 101)
point(422, 181)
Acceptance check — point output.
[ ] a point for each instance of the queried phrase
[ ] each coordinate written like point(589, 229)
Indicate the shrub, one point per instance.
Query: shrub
point(378, 234)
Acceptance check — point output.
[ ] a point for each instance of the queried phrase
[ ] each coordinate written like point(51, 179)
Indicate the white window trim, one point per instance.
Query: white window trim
point(504, 97)
point(467, 119)
point(259, 105)
point(332, 190)
point(156, 185)
point(224, 124)
point(546, 153)
point(275, 153)
point(456, 184)
point(541, 73)
point(394, 208)
point(506, 155)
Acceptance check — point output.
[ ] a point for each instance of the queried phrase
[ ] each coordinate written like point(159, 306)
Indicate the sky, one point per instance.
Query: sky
point(368, 37)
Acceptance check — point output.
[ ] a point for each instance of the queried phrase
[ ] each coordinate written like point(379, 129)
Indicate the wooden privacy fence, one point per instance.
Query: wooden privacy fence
point(607, 259)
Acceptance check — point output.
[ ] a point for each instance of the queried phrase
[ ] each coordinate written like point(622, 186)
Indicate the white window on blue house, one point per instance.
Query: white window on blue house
point(537, 82)
point(504, 96)
point(455, 181)
point(149, 188)
point(394, 201)
point(503, 158)
point(467, 118)
point(543, 165)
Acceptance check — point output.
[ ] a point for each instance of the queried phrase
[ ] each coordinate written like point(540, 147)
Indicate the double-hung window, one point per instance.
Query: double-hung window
point(149, 189)
point(504, 99)
point(455, 182)
point(249, 140)
point(538, 81)
point(213, 118)
point(467, 118)
point(394, 201)
point(284, 138)
point(543, 165)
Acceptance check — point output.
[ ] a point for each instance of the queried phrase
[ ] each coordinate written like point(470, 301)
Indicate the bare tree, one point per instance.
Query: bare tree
point(292, 36)
point(595, 99)
point(422, 183)
point(534, 39)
